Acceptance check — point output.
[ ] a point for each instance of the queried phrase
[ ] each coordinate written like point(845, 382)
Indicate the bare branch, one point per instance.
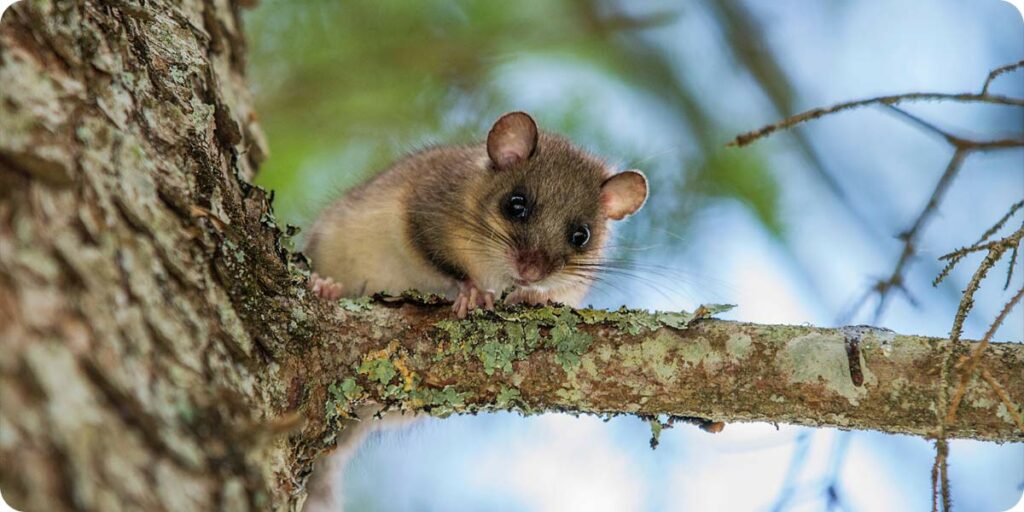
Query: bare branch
point(999, 71)
point(967, 302)
point(924, 124)
point(747, 138)
point(1002, 222)
point(970, 364)
point(957, 141)
point(1013, 262)
point(911, 236)
point(940, 477)
point(1011, 408)
point(1010, 242)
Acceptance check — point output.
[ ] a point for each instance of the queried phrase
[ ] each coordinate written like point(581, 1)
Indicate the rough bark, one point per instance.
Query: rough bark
point(159, 350)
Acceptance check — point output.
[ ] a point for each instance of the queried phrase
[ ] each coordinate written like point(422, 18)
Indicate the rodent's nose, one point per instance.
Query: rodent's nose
point(532, 265)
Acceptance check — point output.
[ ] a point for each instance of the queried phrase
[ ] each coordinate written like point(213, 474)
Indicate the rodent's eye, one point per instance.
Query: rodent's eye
point(516, 207)
point(580, 236)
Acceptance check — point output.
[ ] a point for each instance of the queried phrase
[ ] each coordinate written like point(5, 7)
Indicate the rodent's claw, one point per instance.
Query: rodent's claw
point(470, 297)
point(459, 306)
point(325, 287)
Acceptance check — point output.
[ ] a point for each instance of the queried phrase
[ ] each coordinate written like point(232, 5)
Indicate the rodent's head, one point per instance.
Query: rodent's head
point(547, 205)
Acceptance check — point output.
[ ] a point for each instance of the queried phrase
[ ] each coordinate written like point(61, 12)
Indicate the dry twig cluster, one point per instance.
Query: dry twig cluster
point(968, 366)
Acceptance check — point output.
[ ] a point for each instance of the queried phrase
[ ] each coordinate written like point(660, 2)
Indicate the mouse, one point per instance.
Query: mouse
point(522, 217)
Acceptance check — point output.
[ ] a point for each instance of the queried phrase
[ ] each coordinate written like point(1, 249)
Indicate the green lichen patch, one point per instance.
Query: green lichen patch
point(1003, 413)
point(388, 372)
point(381, 370)
point(507, 397)
point(356, 305)
point(569, 342)
point(525, 334)
point(350, 389)
point(633, 321)
point(738, 346)
point(683, 320)
point(494, 344)
point(299, 315)
point(656, 428)
point(497, 345)
point(412, 296)
point(455, 332)
point(710, 310)
point(651, 357)
point(547, 315)
point(675, 320)
point(569, 396)
point(496, 354)
point(700, 351)
point(441, 402)
point(341, 397)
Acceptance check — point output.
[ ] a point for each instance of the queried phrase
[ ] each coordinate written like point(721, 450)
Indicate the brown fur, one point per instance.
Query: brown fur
point(441, 209)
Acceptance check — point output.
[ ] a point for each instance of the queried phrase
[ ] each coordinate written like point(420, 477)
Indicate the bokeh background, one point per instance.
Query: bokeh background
point(796, 228)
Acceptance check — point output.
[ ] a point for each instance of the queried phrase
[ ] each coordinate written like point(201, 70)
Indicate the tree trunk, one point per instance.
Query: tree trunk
point(159, 350)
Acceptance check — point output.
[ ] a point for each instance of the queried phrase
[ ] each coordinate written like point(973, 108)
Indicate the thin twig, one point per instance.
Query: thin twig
point(955, 140)
point(971, 363)
point(1011, 408)
point(912, 234)
point(1013, 262)
point(922, 123)
point(1002, 222)
point(940, 480)
point(947, 500)
point(747, 138)
point(1010, 242)
point(940, 476)
point(967, 301)
point(998, 71)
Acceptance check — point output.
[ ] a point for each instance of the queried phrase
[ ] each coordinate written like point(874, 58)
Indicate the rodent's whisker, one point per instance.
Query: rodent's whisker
point(598, 270)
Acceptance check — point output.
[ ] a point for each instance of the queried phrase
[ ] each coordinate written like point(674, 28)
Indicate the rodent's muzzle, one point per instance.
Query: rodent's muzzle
point(531, 266)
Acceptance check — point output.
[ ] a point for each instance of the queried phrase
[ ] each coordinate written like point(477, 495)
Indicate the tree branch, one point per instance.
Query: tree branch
point(999, 71)
point(955, 140)
point(749, 137)
point(910, 238)
point(631, 362)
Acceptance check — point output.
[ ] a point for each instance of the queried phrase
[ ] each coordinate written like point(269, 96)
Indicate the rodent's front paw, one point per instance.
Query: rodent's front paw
point(470, 297)
point(325, 287)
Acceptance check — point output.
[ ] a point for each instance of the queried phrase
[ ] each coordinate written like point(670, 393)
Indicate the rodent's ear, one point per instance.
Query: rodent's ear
point(512, 139)
point(623, 194)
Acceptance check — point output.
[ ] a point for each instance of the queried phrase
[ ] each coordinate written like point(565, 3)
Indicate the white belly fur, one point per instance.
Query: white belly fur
point(369, 252)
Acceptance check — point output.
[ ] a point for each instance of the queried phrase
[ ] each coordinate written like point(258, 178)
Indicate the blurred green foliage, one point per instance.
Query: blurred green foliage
point(345, 88)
